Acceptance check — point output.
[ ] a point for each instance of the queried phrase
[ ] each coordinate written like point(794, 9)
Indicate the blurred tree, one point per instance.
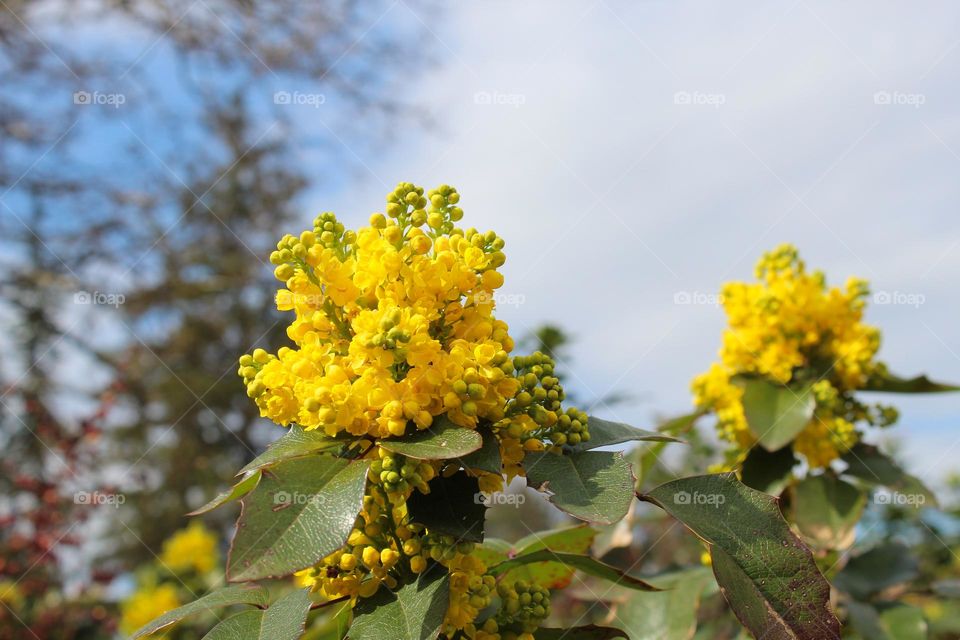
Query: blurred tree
point(148, 163)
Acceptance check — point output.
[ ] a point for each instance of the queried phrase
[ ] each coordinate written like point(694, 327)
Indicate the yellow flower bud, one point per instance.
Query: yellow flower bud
point(389, 557)
point(371, 557)
point(418, 564)
point(348, 562)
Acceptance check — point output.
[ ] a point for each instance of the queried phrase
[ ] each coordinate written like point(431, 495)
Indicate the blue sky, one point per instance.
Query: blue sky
point(631, 152)
point(637, 154)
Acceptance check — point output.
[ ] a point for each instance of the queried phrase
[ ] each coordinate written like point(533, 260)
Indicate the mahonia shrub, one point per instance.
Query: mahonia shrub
point(795, 361)
point(395, 331)
point(406, 408)
point(792, 329)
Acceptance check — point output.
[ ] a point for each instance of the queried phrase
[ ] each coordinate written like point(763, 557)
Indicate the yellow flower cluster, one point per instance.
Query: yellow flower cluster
point(145, 605)
point(791, 328)
point(394, 326)
point(191, 549)
point(388, 320)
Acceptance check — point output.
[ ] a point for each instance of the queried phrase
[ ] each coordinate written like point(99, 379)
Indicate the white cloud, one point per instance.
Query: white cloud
point(561, 127)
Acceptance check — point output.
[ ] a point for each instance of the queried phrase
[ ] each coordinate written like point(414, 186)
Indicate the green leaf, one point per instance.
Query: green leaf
point(234, 594)
point(588, 632)
point(888, 383)
point(453, 507)
point(646, 458)
point(826, 510)
point(775, 413)
point(283, 620)
point(604, 433)
point(335, 626)
point(493, 551)
point(667, 615)
point(596, 486)
point(295, 443)
point(766, 574)
point(552, 575)
point(887, 621)
point(242, 488)
point(879, 568)
point(588, 565)
point(442, 441)
point(242, 626)
point(869, 464)
point(414, 612)
point(768, 471)
point(303, 510)
point(487, 457)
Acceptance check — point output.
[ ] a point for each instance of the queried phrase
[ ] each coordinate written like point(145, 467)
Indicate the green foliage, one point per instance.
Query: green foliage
point(595, 486)
point(487, 457)
point(413, 612)
point(283, 620)
point(302, 511)
point(767, 575)
point(669, 614)
point(776, 414)
point(295, 443)
point(826, 509)
point(886, 382)
point(552, 575)
point(583, 563)
point(235, 594)
point(604, 433)
point(442, 441)
point(453, 507)
point(237, 491)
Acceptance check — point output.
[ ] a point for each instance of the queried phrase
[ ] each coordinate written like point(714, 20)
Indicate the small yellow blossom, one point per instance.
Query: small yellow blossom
point(191, 549)
point(145, 605)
